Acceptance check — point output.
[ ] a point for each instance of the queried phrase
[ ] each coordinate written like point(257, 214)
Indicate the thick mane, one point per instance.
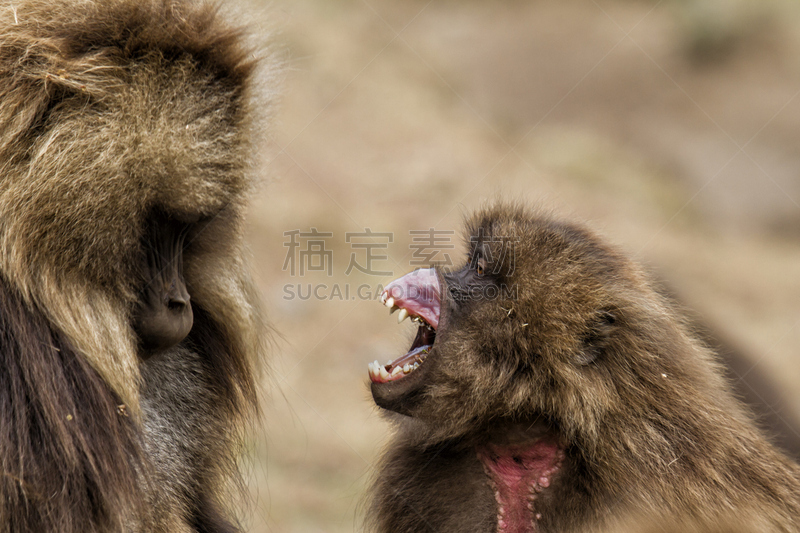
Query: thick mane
point(69, 453)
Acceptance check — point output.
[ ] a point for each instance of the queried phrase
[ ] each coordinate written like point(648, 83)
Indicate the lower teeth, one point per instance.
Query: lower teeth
point(379, 371)
point(383, 373)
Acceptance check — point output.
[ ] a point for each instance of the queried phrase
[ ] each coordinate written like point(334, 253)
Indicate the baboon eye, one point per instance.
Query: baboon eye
point(481, 267)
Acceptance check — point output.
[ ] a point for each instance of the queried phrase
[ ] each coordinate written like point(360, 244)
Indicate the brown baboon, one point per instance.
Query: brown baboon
point(129, 330)
point(551, 389)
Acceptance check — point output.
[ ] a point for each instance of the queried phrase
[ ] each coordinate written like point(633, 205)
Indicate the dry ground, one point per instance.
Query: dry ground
point(671, 127)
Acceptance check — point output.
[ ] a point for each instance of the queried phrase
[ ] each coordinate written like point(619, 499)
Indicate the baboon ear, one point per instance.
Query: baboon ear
point(596, 341)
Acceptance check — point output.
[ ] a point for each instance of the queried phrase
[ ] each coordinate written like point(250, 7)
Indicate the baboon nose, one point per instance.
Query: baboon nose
point(177, 297)
point(178, 304)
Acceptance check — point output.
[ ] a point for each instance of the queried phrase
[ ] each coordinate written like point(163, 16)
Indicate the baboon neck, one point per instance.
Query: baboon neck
point(517, 475)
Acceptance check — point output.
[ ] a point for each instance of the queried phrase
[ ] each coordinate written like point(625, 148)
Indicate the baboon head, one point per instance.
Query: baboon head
point(126, 157)
point(543, 320)
point(550, 388)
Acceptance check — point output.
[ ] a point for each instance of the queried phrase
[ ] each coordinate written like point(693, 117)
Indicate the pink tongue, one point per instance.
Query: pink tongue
point(418, 292)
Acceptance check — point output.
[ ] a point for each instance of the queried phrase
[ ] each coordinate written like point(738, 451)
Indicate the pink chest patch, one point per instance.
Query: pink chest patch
point(518, 474)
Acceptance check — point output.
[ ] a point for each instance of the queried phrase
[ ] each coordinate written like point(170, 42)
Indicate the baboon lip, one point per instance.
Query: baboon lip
point(416, 295)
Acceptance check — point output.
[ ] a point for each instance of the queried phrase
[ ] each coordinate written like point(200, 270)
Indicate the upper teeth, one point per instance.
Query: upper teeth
point(389, 303)
point(402, 315)
point(405, 314)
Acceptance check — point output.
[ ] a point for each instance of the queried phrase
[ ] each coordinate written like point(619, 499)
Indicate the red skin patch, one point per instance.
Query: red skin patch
point(517, 475)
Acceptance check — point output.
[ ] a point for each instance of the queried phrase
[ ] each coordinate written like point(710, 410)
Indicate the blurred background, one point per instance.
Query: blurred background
point(670, 126)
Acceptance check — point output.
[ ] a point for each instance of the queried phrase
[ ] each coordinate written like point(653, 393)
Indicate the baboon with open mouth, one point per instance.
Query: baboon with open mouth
point(551, 389)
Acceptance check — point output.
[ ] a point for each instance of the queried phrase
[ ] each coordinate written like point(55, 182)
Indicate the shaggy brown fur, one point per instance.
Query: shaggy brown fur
point(733, 524)
point(111, 111)
point(561, 393)
point(771, 408)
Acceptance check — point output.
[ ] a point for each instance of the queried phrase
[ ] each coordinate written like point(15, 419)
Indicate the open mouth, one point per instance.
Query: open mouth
point(417, 296)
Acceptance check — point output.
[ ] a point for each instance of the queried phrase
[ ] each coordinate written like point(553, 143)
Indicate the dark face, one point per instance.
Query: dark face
point(163, 316)
point(517, 329)
point(443, 305)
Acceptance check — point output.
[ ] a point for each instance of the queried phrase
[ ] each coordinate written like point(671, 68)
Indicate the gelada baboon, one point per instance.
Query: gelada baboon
point(129, 330)
point(551, 389)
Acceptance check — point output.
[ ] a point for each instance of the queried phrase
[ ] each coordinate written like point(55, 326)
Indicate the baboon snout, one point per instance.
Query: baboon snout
point(178, 297)
point(163, 316)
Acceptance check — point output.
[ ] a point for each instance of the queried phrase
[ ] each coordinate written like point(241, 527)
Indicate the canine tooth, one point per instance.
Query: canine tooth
point(396, 371)
point(389, 303)
point(383, 373)
point(402, 316)
point(406, 368)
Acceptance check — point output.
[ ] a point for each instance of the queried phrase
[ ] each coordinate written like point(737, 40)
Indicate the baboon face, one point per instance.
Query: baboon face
point(522, 328)
point(163, 315)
